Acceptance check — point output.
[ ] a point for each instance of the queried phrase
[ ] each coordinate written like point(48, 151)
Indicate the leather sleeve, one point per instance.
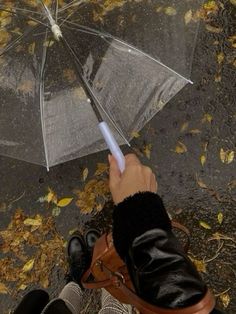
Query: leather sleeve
point(161, 272)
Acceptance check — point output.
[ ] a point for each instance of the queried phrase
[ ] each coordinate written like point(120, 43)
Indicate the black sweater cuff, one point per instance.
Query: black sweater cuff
point(136, 215)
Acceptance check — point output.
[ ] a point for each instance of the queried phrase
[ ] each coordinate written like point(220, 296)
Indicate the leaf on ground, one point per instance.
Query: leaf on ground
point(22, 287)
point(207, 118)
point(56, 211)
point(48, 43)
point(37, 221)
point(69, 75)
point(188, 17)
point(213, 29)
point(64, 202)
point(225, 299)
point(184, 126)
point(135, 134)
point(28, 266)
point(199, 264)
point(203, 160)
point(220, 218)
point(51, 196)
point(226, 156)
point(31, 48)
point(85, 174)
point(218, 78)
point(171, 11)
point(210, 6)
point(204, 225)
point(233, 2)
point(101, 169)
point(26, 86)
point(3, 288)
point(147, 150)
point(195, 131)
point(180, 148)
point(220, 57)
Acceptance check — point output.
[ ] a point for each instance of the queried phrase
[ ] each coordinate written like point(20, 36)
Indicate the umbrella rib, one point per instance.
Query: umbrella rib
point(41, 101)
point(4, 8)
point(71, 4)
point(103, 35)
point(17, 41)
point(94, 102)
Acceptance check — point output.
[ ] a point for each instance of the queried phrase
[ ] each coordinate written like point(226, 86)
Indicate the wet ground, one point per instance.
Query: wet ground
point(195, 190)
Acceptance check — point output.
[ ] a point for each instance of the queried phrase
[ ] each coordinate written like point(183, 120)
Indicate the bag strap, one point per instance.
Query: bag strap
point(185, 230)
point(205, 306)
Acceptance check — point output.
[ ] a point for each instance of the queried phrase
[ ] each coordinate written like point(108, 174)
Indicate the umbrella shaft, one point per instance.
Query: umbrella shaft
point(91, 98)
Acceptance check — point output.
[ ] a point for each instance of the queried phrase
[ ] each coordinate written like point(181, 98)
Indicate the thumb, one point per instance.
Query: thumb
point(115, 173)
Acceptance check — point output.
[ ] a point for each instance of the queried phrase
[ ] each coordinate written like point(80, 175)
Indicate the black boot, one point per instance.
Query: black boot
point(33, 302)
point(90, 238)
point(78, 258)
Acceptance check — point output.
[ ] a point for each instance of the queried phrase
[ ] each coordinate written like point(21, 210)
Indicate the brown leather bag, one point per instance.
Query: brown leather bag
point(108, 271)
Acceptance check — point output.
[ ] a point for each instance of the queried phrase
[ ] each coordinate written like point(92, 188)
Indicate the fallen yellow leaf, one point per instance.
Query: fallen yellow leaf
point(64, 202)
point(184, 126)
point(3, 288)
point(101, 168)
point(135, 134)
point(180, 148)
point(220, 218)
point(220, 57)
point(28, 266)
point(225, 299)
point(203, 160)
point(85, 174)
point(33, 222)
point(170, 11)
point(199, 264)
point(51, 196)
point(31, 48)
point(188, 17)
point(204, 225)
point(207, 118)
point(213, 29)
point(226, 156)
point(147, 150)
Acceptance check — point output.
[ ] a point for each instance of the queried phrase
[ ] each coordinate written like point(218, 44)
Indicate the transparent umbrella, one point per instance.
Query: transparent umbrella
point(68, 66)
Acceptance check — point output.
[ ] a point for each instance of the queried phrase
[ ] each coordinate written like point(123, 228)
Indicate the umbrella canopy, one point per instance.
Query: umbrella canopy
point(136, 55)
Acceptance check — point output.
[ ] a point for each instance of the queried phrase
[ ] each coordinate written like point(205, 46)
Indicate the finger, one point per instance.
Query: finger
point(114, 172)
point(154, 185)
point(131, 159)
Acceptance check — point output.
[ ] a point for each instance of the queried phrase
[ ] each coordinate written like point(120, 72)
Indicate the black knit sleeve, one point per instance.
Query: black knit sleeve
point(136, 215)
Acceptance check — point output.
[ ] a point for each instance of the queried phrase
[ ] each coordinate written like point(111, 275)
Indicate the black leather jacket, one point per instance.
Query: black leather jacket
point(160, 270)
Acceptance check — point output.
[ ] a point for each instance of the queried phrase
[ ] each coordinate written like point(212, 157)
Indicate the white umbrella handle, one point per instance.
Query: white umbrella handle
point(112, 145)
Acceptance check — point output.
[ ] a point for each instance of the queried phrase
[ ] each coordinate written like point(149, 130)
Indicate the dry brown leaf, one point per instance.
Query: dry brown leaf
point(180, 148)
point(201, 183)
point(64, 202)
point(101, 169)
point(225, 299)
point(26, 86)
point(204, 225)
point(3, 288)
point(226, 156)
point(218, 78)
point(69, 75)
point(48, 43)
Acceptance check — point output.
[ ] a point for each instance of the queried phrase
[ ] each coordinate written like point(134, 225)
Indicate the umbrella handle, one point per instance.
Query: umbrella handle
point(112, 145)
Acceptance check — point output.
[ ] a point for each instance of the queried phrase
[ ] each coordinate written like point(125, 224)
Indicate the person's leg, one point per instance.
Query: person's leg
point(69, 301)
point(112, 306)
